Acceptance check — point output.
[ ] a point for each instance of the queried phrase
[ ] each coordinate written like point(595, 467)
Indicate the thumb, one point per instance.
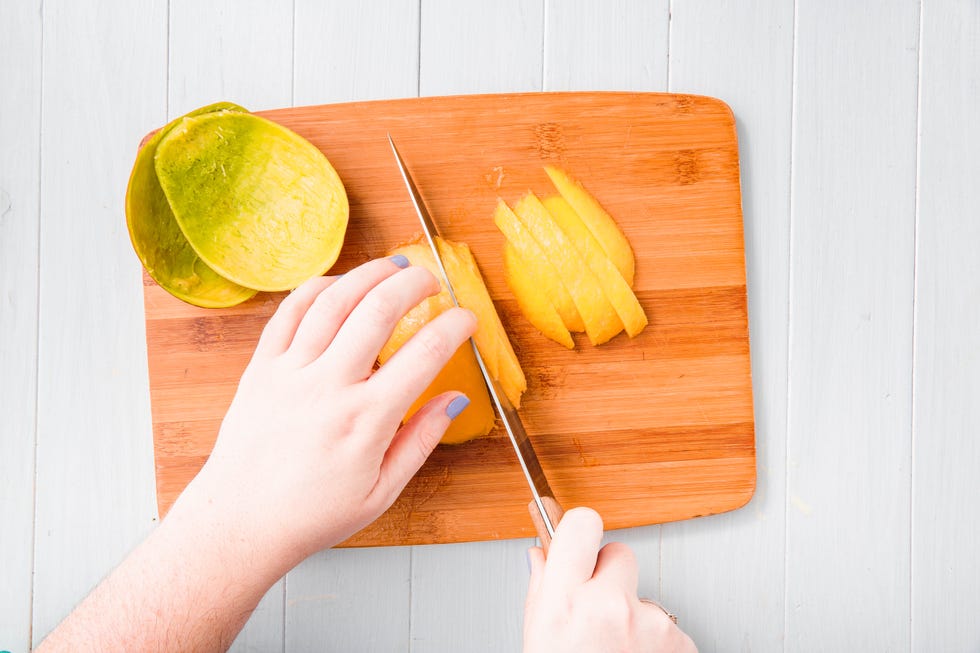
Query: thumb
point(416, 439)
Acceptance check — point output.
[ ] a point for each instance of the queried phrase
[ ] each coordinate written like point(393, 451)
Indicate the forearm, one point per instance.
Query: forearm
point(190, 587)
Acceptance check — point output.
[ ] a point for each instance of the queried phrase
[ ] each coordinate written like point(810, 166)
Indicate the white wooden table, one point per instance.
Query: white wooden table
point(859, 132)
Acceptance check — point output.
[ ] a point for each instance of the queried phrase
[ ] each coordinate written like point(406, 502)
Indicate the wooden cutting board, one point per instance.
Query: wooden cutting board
point(648, 430)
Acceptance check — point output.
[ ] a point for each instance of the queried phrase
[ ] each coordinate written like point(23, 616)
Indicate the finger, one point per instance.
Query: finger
point(616, 565)
point(416, 439)
point(574, 549)
point(413, 367)
point(330, 308)
point(536, 560)
point(355, 348)
point(653, 624)
point(281, 327)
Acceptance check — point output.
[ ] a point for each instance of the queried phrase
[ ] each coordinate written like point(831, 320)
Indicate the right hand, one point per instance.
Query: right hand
point(585, 599)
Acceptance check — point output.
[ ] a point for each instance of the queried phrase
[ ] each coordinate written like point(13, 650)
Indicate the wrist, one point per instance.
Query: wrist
point(213, 529)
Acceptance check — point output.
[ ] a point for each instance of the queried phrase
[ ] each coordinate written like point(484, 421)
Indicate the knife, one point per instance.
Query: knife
point(545, 510)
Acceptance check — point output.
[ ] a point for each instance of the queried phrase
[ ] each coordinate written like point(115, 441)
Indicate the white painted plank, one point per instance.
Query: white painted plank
point(480, 47)
point(724, 574)
point(356, 51)
point(850, 343)
point(241, 52)
point(606, 46)
point(20, 101)
point(621, 45)
point(234, 50)
point(946, 453)
point(352, 599)
point(104, 84)
point(470, 597)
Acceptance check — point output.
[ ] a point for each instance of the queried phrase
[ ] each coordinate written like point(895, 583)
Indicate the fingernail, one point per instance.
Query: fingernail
point(457, 405)
point(399, 260)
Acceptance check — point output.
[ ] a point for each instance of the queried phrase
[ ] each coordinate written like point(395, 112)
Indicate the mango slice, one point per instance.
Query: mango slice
point(538, 267)
point(534, 303)
point(601, 320)
point(160, 244)
point(490, 337)
point(602, 226)
point(462, 373)
point(259, 204)
point(613, 284)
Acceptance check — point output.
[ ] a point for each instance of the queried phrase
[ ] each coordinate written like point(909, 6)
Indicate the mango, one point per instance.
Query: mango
point(158, 241)
point(613, 285)
point(539, 267)
point(534, 303)
point(490, 337)
point(462, 373)
point(259, 204)
point(601, 320)
point(603, 227)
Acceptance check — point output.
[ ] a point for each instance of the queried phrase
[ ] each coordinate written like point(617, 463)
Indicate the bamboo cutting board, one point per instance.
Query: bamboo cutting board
point(648, 430)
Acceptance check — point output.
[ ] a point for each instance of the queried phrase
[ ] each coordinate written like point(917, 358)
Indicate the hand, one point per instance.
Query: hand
point(584, 599)
point(311, 449)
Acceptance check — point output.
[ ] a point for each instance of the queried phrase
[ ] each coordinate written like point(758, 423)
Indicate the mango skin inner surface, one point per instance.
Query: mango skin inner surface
point(259, 204)
point(160, 244)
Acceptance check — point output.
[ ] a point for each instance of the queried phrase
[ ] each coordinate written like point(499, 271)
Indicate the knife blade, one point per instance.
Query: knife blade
point(545, 510)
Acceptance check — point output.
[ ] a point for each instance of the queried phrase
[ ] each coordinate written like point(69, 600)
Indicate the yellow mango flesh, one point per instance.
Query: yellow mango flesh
point(538, 266)
point(259, 204)
point(600, 318)
point(615, 287)
point(534, 303)
point(160, 244)
point(490, 337)
point(602, 226)
point(462, 373)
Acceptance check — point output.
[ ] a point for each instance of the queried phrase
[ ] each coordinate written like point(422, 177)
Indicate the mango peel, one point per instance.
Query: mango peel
point(160, 244)
point(223, 203)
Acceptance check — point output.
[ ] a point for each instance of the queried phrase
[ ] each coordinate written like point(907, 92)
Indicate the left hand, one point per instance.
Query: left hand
point(312, 448)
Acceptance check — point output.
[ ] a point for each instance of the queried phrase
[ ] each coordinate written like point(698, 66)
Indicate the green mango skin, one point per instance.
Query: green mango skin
point(259, 204)
point(158, 240)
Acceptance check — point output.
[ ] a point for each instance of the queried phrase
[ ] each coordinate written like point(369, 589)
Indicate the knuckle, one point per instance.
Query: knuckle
point(379, 311)
point(432, 344)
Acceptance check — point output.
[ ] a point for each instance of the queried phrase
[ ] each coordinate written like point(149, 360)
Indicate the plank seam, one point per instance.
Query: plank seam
point(37, 327)
point(418, 50)
point(670, 28)
point(411, 598)
point(544, 43)
point(789, 320)
point(292, 62)
point(915, 285)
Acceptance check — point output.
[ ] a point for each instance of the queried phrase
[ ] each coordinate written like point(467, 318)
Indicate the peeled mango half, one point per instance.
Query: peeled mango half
point(259, 204)
point(158, 240)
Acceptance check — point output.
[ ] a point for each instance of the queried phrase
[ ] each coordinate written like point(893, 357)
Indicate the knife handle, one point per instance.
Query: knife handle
point(554, 511)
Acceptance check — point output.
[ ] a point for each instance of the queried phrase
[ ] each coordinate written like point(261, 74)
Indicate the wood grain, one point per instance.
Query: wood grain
point(654, 429)
point(94, 465)
point(698, 582)
point(945, 502)
point(449, 609)
point(850, 338)
point(20, 135)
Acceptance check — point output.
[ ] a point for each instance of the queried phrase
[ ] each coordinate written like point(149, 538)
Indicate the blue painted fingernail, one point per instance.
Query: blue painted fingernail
point(399, 260)
point(457, 405)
